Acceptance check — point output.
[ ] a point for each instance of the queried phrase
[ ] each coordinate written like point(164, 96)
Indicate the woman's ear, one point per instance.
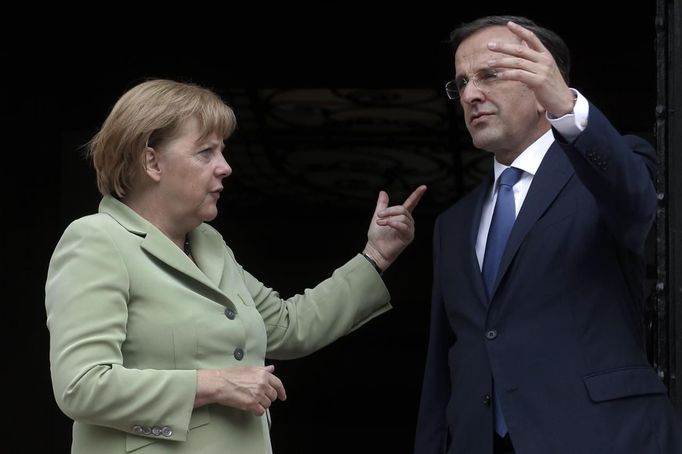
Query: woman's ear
point(150, 163)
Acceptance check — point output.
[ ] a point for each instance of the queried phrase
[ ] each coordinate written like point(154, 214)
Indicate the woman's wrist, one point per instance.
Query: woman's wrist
point(373, 262)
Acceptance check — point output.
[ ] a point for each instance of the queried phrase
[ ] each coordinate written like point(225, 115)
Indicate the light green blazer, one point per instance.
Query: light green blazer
point(131, 319)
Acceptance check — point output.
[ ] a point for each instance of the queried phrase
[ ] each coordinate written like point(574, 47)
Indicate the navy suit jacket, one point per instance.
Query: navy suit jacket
point(562, 333)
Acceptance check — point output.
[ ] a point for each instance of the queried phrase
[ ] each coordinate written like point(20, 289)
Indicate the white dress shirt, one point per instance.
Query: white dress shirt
point(570, 126)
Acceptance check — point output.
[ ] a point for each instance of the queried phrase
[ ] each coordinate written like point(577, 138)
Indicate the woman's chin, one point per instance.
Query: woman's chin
point(209, 214)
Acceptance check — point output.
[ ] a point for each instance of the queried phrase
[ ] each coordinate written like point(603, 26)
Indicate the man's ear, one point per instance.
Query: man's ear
point(540, 108)
point(150, 163)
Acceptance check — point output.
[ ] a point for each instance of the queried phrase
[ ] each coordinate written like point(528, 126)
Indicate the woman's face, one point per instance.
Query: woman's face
point(191, 173)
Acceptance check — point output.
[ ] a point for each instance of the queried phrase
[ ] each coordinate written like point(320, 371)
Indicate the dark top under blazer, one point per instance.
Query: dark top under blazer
point(562, 332)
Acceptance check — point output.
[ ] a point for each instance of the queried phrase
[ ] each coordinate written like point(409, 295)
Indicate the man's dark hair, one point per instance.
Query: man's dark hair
point(553, 42)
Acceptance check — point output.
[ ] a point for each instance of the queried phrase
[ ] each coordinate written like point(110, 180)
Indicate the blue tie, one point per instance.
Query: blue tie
point(504, 216)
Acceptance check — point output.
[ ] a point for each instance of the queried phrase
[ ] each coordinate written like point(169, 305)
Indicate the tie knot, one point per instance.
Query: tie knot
point(510, 176)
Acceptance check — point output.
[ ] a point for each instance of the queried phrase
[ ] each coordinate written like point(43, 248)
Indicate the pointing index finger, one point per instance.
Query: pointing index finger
point(414, 198)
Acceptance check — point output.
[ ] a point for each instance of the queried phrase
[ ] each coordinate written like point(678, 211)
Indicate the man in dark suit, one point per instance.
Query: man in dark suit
point(536, 342)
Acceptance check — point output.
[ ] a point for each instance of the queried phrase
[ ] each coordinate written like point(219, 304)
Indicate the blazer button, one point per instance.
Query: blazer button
point(238, 354)
point(166, 431)
point(229, 313)
point(156, 431)
point(491, 334)
point(486, 400)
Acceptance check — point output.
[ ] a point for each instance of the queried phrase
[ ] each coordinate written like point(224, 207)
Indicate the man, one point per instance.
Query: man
point(536, 342)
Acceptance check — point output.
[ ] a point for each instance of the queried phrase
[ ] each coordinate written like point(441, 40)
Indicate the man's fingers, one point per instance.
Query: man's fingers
point(526, 35)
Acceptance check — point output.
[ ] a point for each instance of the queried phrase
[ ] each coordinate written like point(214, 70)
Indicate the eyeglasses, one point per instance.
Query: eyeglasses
point(482, 79)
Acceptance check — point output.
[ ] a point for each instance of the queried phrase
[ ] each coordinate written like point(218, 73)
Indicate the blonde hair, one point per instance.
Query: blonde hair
point(147, 115)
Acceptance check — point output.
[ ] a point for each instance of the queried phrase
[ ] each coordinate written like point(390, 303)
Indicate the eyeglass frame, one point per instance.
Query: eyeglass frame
point(482, 83)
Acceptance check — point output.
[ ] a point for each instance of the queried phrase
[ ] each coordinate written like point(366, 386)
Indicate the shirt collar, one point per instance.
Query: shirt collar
point(529, 160)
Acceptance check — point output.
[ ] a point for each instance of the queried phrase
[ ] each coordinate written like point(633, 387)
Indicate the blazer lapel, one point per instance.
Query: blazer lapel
point(161, 247)
point(205, 250)
point(479, 284)
point(476, 210)
point(552, 175)
point(208, 269)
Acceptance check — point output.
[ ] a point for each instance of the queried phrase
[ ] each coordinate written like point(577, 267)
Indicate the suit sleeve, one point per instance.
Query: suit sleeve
point(304, 323)
point(619, 171)
point(431, 432)
point(86, 300)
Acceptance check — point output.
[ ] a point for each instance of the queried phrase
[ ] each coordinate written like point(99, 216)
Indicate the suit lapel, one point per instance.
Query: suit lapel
point(476, 210)
point(552, 175)
point(457, 230)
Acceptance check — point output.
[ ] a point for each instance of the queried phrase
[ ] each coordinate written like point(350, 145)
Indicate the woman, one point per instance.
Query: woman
point(158, 336)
